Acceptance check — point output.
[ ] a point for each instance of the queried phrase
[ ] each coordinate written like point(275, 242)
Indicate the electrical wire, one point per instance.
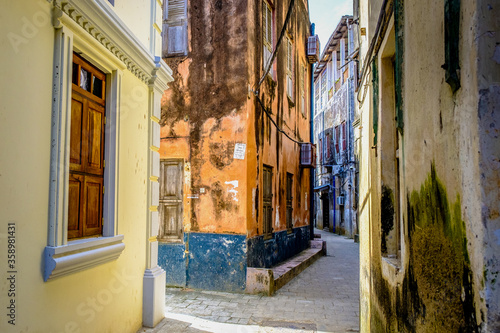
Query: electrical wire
point(274, 123)
point(268, 68)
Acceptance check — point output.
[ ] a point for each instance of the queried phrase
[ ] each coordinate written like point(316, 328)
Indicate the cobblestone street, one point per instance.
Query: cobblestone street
point(323, 298)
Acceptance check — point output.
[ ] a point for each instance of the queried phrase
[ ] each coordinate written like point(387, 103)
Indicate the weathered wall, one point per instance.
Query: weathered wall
point(209, 109)
point(203, 116)
point(445, 279)
point(266, 145)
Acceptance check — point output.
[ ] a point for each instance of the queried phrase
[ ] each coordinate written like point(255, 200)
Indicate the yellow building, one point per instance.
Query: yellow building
point(429, 195)
point(81, 86)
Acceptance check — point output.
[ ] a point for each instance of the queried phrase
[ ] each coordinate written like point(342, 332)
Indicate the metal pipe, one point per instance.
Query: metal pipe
point(311, 134)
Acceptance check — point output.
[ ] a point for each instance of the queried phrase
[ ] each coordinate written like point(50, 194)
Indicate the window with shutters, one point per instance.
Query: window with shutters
point(267, 199)
point(328, 148)
point(175, 41)
point(323, 89)
point(267, 35)
point(86, 161)
point(344, 136)
point(289, 201)
point(82, 225)
point(302, 80)
point(171, 200)
point(317, 102)
point(337, 139)
point(289, 68)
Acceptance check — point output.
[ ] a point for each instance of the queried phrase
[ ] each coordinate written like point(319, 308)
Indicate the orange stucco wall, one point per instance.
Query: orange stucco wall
point(209, 109)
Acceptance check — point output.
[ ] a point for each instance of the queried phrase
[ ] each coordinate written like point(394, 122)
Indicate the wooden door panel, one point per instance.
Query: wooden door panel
point(92, 205)
point(95, 143)
point(171, 226)
point(171, 181)
point(267, 219)
point(75, 194)
point(76, 153)
point(171, 200)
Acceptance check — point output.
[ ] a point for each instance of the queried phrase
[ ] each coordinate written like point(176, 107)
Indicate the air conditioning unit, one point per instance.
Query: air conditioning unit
point(313, 47)
point(340, 200)
point(308, 155)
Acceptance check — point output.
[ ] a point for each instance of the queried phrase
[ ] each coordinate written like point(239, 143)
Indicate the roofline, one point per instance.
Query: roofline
point(331, 43)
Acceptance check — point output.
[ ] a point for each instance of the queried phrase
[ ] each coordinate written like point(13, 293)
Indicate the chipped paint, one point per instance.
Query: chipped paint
point(233, 191)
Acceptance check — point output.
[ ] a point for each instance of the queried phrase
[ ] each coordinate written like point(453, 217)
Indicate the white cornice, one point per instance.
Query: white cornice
point(102, 23)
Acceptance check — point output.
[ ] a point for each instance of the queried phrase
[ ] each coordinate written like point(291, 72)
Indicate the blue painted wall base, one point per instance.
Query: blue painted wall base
point(219, 261)
point(267, 253)
point(212, 262)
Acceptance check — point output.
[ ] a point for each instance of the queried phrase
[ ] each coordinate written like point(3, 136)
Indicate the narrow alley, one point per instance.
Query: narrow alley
point(326, 166)
point(323, 298)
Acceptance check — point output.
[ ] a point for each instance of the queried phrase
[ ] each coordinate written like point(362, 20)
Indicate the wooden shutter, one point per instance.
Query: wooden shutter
point(267, 200)
point(175, 28)
point(171, 200)
point(302, 78)
point(344, 146)
point(289, 67)
point(337, 139)
point(268, 25)
point(289, 201)
point(86, 177)
point(267, 34)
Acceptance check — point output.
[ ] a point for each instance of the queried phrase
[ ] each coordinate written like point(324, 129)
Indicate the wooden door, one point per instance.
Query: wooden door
point(267, 201)
point(171, 200)
point(86, 167)
point(289, 201)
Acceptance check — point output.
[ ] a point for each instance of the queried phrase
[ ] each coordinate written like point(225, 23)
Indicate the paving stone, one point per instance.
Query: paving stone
point(326, 295)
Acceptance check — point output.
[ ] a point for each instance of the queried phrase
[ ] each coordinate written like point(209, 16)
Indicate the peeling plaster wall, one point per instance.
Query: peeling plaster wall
point(446, 279)
point(266, 144)
point(204, 116)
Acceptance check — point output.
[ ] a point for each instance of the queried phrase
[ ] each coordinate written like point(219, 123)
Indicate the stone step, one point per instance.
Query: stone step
point(269, 280)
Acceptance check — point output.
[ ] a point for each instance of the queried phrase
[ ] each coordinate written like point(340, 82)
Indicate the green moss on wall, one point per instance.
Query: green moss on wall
point(439, 258)
point(437, 292)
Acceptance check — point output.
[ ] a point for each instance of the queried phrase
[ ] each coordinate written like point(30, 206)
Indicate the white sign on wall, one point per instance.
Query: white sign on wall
point(239, 151)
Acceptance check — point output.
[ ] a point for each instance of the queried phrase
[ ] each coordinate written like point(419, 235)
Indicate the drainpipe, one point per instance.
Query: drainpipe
point(311, 131)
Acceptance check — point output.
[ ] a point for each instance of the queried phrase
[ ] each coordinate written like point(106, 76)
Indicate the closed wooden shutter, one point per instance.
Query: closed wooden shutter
point(86, 177)
point(289, 67)
point(337, 139)
point(267, 201)
point(289, 201)
point(302, 78)
point(171, 200)
point(344, 135)
point(267, 34)
point(175, 28)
